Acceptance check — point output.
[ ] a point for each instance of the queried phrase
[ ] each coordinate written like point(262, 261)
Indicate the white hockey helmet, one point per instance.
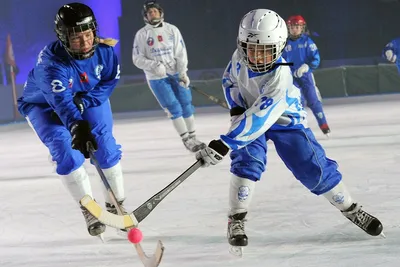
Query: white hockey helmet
point(262, 38)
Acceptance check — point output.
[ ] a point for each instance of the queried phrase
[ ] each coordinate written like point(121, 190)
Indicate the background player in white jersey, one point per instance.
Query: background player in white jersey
point(159, 50)
point(265, 105)
point(303, 53)
point(66, 102)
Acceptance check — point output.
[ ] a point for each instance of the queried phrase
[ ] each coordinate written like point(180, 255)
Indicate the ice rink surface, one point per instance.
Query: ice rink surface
point(40, 225)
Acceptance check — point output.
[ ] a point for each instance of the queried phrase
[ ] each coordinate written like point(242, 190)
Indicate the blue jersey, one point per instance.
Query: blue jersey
point(302, 51)
point(57, 77)
point(393, 45)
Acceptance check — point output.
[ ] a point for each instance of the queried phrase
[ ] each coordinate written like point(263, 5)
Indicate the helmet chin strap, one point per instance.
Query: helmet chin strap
point(156, 22)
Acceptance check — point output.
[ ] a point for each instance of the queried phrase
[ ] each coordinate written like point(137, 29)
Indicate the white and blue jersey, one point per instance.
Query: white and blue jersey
point(267, 106)
point(270, 99)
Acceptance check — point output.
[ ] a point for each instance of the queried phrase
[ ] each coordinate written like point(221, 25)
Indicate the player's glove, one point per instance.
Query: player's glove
point(82, 134)
point(184, 80)
point(390, 56)
point(160, 70)
point(213, 154)
point(301, 70)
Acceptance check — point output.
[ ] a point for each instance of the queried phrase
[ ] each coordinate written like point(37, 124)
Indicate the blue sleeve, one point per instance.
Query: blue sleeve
point(313, 58)
point(392, 45)
point(109, 78)
point(53, 82)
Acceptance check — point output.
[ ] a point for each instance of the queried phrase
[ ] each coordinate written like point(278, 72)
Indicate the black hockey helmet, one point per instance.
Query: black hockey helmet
point(73, 18)
point(152, 4)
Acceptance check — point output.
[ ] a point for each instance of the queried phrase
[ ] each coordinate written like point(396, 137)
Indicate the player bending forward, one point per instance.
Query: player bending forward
point(265, 105)
point(66, 102)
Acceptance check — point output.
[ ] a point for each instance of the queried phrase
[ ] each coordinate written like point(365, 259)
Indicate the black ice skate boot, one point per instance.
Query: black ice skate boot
point(370, 224)
point(236, 234)
point(94, 226)
point(112, 209)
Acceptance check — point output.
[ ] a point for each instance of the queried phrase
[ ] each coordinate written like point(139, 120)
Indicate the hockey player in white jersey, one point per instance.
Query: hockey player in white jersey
point(159, 50)
point(265, 105)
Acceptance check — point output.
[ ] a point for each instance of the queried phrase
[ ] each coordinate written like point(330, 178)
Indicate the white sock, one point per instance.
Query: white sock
point(241, 192)
point(190, 124)
point(77, 183)
point(180, 127)
point(116, 180)
point(339, 197)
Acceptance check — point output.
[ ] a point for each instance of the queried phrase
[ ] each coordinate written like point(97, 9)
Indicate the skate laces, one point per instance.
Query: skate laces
point(358, 216)
point(111, 208)
point(236, 227)
point(89, 218)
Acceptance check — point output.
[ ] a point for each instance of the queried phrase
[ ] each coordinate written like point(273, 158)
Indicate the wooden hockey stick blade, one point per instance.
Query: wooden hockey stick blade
point(110, 219)
point(147, 261)
point(155, 259)
point(134, 218)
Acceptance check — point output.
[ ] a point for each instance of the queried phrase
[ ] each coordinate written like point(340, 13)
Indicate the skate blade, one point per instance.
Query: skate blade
point(382, 235)
point(236, 251)
point(101, 237)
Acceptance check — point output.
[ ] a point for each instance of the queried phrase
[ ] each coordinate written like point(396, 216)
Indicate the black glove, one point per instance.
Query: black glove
point(78, 103)
point(82, 134)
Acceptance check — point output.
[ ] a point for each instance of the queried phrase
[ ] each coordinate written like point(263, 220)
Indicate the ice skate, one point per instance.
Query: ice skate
point(112, 209)
point(94, 226)
point(236, 234)
point(325, 129)
point(370, 224)
point(192, 144)
point(198, 144)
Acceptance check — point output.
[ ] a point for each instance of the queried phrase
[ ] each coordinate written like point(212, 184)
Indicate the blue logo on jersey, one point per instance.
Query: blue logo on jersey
point(150, 41)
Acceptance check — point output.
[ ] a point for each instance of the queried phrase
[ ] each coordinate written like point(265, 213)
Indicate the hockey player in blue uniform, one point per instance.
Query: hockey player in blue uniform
point(265, 105)
point(159, 50)
point(66, 102)
point(391, 52)
point(303, 53)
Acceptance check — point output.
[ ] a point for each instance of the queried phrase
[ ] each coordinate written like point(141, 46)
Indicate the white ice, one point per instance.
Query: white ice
point(40, 225)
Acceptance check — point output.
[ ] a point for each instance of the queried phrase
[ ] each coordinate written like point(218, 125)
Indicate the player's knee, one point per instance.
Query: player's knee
point(109, 152)
point(68, 161)
point(187, 110)
point(174, 110)
point(248, 167)
point(323, 178)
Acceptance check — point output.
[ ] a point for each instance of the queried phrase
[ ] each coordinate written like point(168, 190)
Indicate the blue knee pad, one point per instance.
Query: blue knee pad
point(250, 161)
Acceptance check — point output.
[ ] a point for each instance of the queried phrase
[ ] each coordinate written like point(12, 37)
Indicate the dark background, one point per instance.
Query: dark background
point(347, 29)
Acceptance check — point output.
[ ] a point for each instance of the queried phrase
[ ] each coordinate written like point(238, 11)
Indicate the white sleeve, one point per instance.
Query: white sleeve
point(180, 52)
point(138, 53)
point(265, 111)
point(231, 91)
